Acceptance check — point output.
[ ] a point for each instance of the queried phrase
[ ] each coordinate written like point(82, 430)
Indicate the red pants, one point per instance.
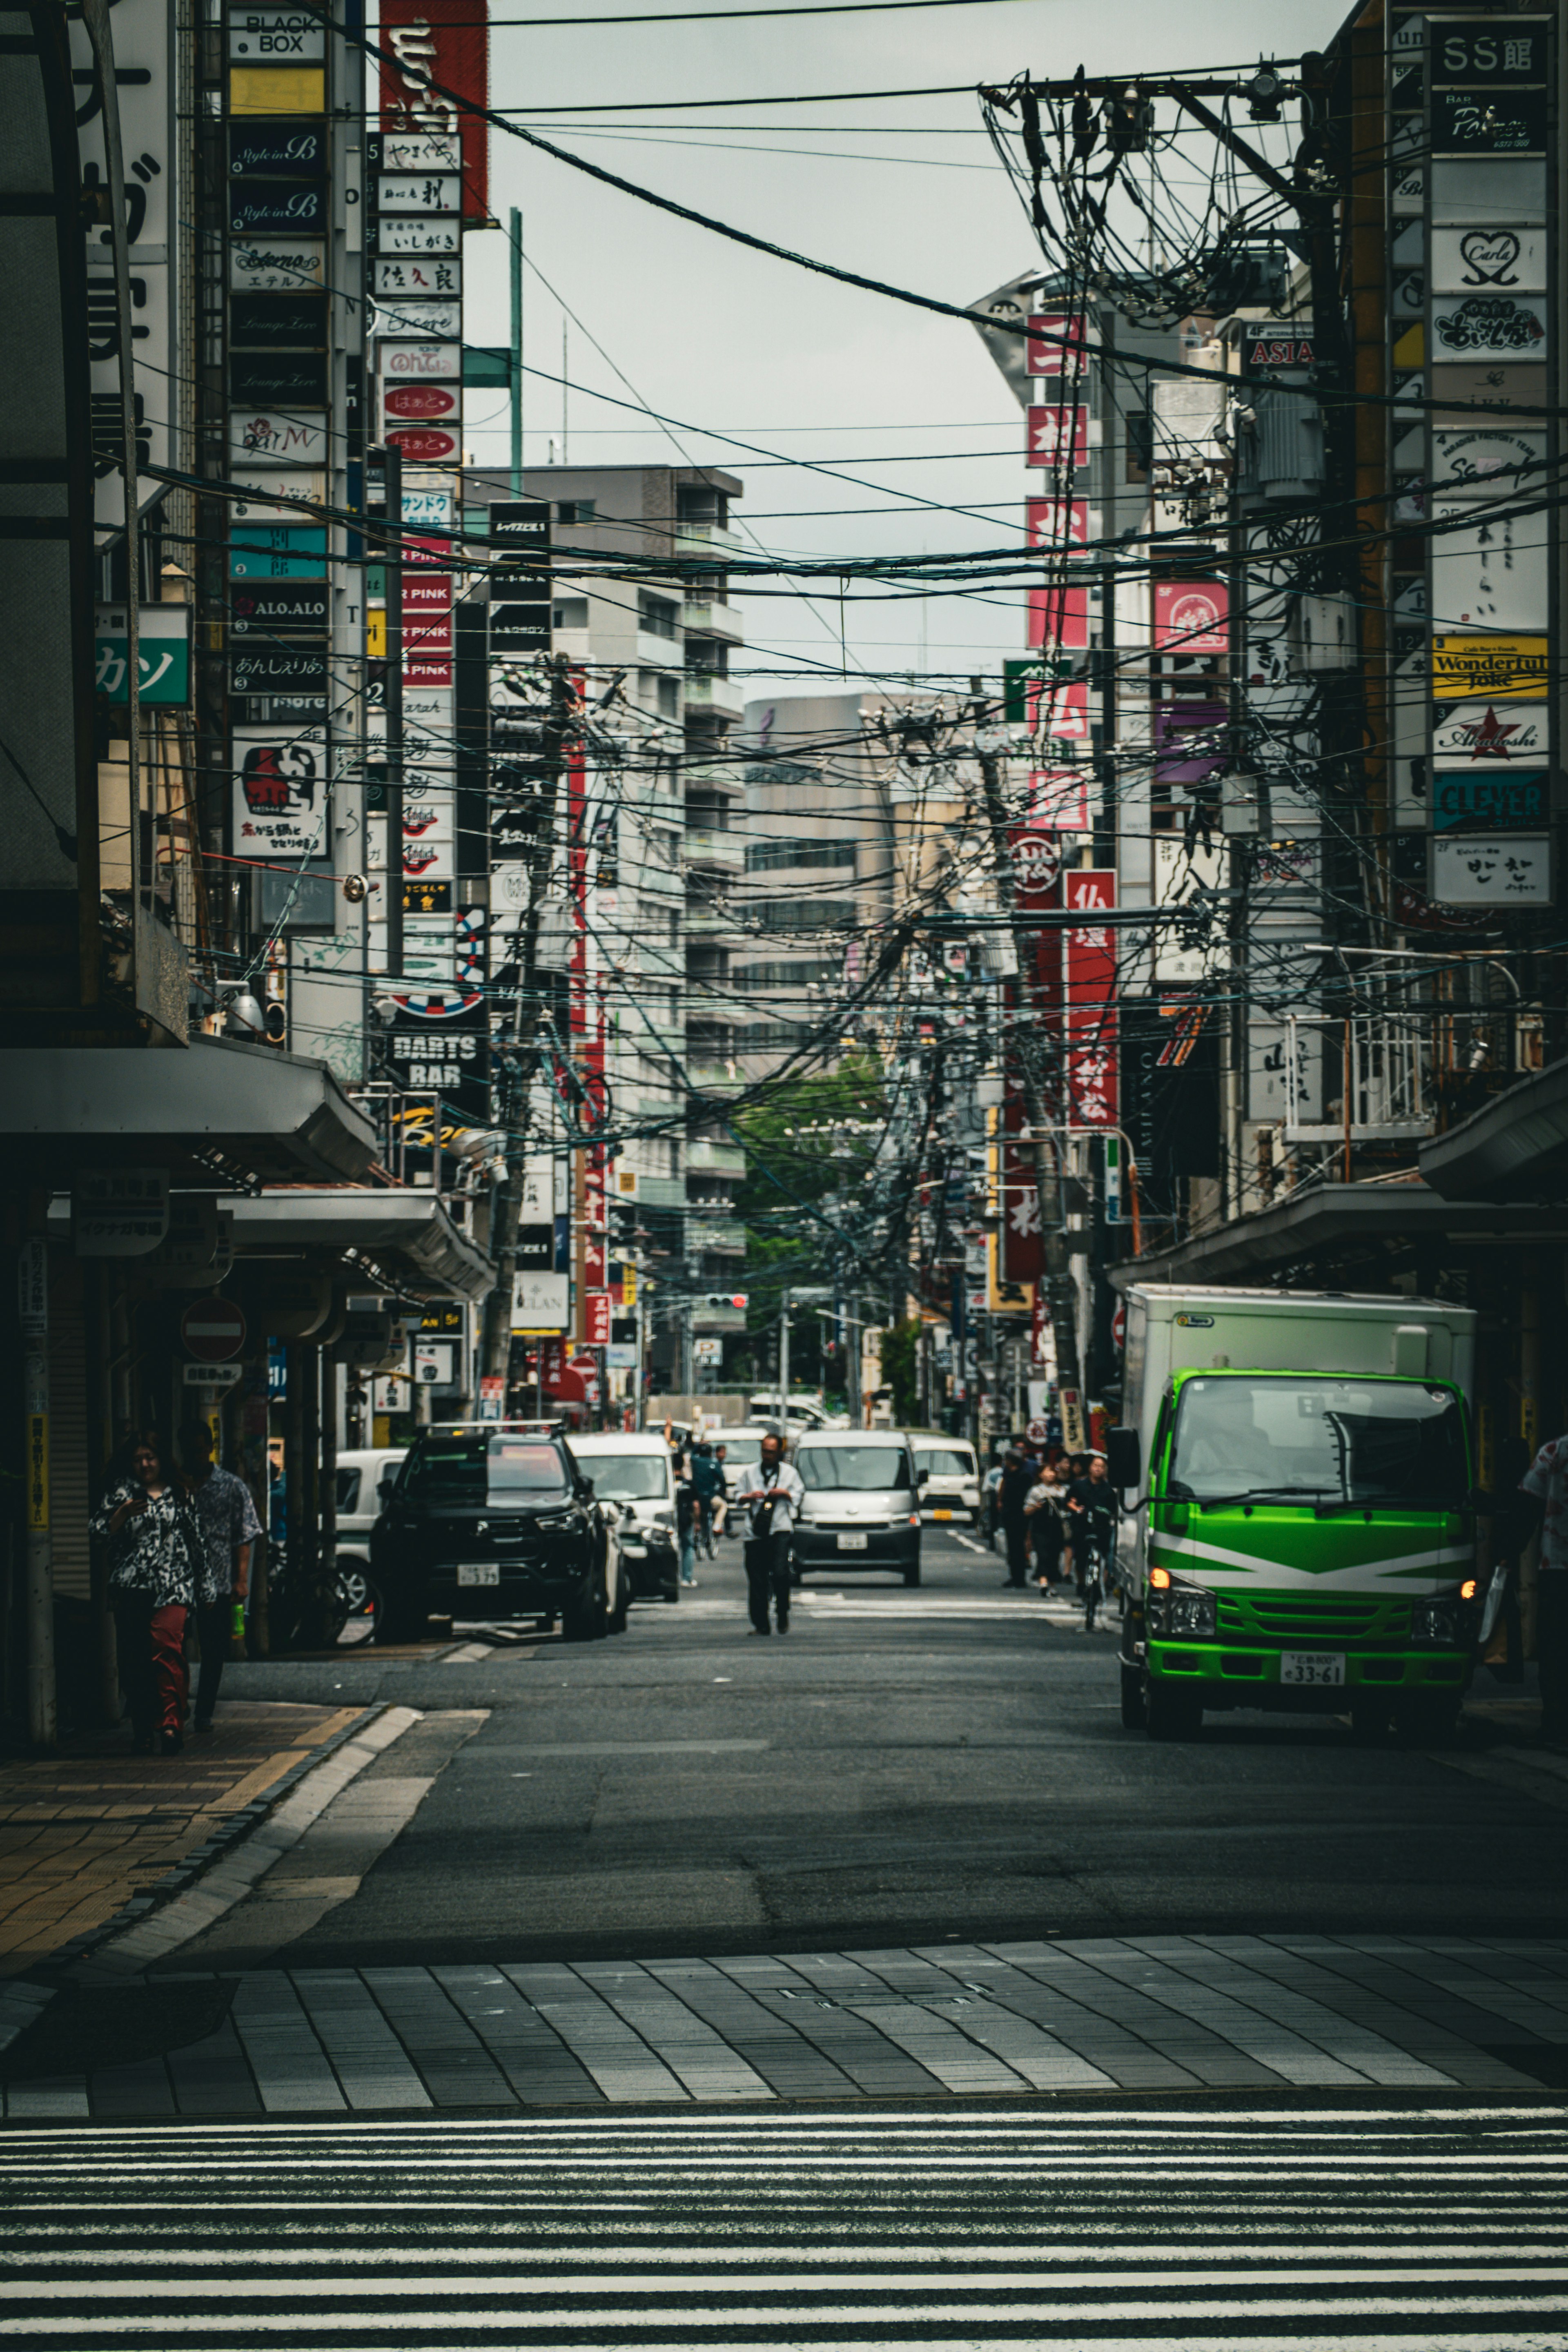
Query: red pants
point(151, 1643)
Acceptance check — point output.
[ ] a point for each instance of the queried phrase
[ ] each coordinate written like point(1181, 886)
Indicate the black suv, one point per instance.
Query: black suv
point(488, 1522)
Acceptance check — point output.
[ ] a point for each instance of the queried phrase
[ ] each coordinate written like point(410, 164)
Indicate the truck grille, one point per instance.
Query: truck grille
point(1311, 1618)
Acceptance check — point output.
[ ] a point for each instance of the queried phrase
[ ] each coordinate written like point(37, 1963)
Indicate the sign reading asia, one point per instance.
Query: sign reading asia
point(436, 78)
point(438, 1043)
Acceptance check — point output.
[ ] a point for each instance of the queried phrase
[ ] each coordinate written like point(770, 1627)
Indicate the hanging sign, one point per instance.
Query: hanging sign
point(1504, 870)
point(438, 45)
point(1192, 616)
point(1487, 800)
point(1464, 667)
point(1495, 733)
point(1058, 436)
point(1488, 260)
point(163, 652)
point(277, 265)
point(1502, 329)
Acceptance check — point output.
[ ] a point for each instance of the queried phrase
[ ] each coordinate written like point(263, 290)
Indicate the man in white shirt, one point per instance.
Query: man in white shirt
point(773, 1499)
point(1546, 1488)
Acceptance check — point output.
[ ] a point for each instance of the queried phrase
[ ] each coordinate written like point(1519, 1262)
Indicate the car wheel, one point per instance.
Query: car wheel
point(616, 1620)
point(1131, 1699)
point(1172, 1714)
point(586, 1618)
point(354, 1585)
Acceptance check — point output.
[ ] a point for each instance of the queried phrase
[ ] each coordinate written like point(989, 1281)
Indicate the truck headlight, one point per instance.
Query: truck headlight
point(1437, 1620)
point(1185, 1615)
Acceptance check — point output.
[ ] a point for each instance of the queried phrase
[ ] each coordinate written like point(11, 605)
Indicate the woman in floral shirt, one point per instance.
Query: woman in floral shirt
point(156, 1566)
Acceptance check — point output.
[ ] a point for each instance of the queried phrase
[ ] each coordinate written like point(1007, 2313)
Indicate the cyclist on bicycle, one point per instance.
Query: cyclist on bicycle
point(1091, 1503)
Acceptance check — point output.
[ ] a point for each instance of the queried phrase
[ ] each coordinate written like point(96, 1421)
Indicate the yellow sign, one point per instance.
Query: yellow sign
point(629, 1285)
point(1463, 667)
point(375, 633)
point(37, 1471)
point(278, 90)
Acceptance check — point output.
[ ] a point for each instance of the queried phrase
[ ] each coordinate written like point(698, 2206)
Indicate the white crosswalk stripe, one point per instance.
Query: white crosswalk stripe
point(1416, 2229)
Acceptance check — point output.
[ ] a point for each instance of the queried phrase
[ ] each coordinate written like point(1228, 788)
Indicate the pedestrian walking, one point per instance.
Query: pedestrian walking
point(708, 1480)
point(1542, 1502)
point(686, 1525)
point(773, 1501)
point(1017, 1480)
point(226, 1519)
point(1047, 1509)
point(156, 1568)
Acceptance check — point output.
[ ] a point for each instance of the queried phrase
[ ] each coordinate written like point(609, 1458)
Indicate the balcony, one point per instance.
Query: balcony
point(726, 851)
point(706, 538)
point(702, 620)
point(706, 775)
point(706, 1157)
point(706, 689)
point(658, 653)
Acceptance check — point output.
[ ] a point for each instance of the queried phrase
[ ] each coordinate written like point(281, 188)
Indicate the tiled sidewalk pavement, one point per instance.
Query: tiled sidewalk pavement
point(85, 1828)
point(1176, 2014)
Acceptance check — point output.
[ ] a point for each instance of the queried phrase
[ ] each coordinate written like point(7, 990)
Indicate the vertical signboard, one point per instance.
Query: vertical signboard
point(439, 72)
point(1088, 1018)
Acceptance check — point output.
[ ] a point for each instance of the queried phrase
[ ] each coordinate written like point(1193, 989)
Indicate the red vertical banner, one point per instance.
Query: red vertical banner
point(1089, 1011)
point(441, 47)
point(1036, 869)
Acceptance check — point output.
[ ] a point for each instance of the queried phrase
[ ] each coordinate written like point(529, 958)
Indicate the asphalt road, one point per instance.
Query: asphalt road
point(907, 1766)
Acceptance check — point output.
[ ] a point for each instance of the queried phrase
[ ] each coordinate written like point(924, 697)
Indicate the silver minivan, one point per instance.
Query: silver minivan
point(861, 1508)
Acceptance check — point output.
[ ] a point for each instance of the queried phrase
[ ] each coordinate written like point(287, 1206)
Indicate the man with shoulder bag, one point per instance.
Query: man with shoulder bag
point(773, 1501)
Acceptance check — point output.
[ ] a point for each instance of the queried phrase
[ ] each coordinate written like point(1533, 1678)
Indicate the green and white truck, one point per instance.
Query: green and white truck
point(1297, 1526)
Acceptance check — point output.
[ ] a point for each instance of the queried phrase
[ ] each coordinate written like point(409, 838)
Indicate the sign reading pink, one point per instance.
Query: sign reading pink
point(1192, 616)
point(1058, 436)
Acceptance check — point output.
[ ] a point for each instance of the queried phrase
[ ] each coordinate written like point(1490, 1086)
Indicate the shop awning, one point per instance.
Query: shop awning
point(407, 1237)
point(1515, 1150)
point(1338, 1218)
point(214, 1107)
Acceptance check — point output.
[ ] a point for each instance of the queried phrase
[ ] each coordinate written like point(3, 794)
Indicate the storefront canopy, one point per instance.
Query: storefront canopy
point(1515, 1150)
point(407, 1237)
point(1340, 1220)
point(213, 1106)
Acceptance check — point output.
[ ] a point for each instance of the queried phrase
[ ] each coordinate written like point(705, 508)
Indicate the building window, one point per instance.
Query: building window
point(766, 857)
point(804, 915)
point(571, 613)
point(574, 509)
point(803, 974)
point(709, 655)
point(696, 502)
point(1139, 444)
point(669, 698)
point(657, 616)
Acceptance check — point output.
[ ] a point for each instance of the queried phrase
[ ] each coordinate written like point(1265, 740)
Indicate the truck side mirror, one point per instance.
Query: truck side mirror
point(1123, 1458)
point(384, 1486)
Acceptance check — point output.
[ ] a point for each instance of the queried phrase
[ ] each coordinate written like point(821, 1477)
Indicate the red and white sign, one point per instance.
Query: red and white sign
point(1055, 345)
point(212, 1331)
point(1058, 436)
point(1118, 1324)
point(1192, 616)
point(426, 592)
point(1063, 713)
point(426, 632)
point(1058, 615)
point(410, 401)
point(426, 554)
point(423, 668)
point(440, 45)
point(1055, 522)
point(1059, 800)
point(421, 363)
point(596, 1318)
point(1089, 1013)
point(427, 445)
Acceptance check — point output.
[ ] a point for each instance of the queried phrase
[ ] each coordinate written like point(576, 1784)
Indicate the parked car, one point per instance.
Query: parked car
point(861, 1508)
point(483, 1521)
point(634, 1474)
point(360, 1472)
point(950, 1488)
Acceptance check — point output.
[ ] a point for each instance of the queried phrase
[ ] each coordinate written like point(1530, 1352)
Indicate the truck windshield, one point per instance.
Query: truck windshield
point(1327, 1442)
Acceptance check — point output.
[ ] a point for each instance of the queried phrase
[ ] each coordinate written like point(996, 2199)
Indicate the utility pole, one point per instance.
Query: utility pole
point(394, 576)
point(784, 1363)
point(514, 257)
point(517, 1078)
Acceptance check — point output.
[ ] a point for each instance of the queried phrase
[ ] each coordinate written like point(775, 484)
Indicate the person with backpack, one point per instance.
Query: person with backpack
point(708, 1482)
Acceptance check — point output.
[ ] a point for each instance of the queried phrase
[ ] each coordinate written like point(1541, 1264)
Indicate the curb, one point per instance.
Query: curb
point(236, 1827)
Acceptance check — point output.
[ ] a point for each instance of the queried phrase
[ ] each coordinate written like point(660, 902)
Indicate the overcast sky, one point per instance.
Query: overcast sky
point(732, 342)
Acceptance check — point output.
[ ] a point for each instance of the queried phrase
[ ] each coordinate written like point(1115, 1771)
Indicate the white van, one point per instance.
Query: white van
point(950, 1488)
point(860, 1508)
point(635, 1470)
point(360, 1472)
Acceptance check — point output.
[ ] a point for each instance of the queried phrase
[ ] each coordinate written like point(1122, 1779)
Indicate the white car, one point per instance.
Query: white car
point(634, 1477)
point(360, 1472)
point(950, 1489)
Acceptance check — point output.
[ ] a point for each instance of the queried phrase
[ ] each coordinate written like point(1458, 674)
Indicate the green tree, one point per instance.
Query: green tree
point(897, 1348)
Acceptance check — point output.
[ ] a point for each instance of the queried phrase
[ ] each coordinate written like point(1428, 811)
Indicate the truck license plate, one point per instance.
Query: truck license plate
point(480, 1571)
point(941, 1515)
point(1316, 1666)
point(851, 1543)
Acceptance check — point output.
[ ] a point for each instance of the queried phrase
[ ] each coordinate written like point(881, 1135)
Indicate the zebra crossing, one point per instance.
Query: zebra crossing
point(1386, 2228)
